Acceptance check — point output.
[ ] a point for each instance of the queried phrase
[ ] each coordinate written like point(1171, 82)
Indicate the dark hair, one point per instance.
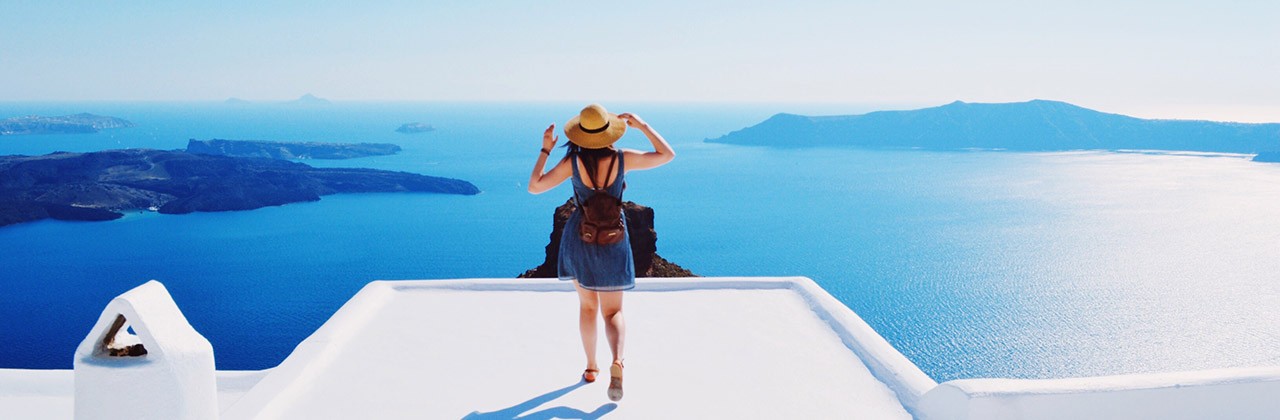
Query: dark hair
point(590, 157)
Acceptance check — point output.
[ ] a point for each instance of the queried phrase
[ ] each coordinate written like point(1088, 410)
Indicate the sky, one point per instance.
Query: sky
point(1157, 59)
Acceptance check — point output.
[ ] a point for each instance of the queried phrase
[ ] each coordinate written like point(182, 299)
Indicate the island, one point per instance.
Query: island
point(67, 124)
point(309, 99)
point(1267, 157)
point(1037, 125)
point(415, 128)
point(289, 150)
point(99, 185)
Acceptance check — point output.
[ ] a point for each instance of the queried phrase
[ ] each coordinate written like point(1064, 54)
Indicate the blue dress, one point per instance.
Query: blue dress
point(601, 268)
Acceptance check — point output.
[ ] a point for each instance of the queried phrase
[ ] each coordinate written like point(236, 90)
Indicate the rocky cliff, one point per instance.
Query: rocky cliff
point(66, 124)
point(289, 150)
point(97, 185)
point(644, 244)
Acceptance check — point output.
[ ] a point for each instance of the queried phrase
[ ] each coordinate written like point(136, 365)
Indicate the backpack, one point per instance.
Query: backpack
point(601, 212)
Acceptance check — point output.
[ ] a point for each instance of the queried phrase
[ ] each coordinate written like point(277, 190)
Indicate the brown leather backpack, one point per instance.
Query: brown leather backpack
point(602, 213)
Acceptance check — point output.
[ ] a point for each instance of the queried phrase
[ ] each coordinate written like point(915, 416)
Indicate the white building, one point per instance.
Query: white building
point(697, 348)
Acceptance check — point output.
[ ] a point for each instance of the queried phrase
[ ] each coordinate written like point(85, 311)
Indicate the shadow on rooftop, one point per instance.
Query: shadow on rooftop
point(515, 412)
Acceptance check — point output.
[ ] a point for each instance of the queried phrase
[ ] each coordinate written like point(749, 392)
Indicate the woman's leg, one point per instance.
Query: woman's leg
point(588, 306)
point(615, 329)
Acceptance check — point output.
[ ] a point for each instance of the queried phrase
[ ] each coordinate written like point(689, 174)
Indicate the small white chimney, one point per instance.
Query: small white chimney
point(142, 360)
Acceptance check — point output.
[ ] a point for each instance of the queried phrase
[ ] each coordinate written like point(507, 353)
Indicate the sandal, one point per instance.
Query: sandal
point(589, 375)
point(615, 381)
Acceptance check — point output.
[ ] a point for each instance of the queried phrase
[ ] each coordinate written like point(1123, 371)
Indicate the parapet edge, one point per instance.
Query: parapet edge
point(293, 376)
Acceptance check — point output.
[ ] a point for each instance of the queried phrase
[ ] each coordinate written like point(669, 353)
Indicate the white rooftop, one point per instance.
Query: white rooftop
point(48, 393)
point(696, 348)
point(438, 349)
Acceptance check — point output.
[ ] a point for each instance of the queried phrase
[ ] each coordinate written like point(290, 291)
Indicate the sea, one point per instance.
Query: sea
point(972, 263)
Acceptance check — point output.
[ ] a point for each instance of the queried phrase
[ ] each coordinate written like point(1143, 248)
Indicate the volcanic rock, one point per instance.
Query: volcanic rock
point(644, 244)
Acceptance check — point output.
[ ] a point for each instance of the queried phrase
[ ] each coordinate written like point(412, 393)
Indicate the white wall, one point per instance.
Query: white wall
point(1252, 393)
point(881, 358)
point(1249, 393)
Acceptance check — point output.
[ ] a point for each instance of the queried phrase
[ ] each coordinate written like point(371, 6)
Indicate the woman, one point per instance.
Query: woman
point(600, 272)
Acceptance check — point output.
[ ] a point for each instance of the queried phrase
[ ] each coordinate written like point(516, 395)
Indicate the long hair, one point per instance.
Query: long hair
point(590, 157)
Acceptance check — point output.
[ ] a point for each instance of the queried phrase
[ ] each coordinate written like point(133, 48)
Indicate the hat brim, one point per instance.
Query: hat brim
point(600, 140)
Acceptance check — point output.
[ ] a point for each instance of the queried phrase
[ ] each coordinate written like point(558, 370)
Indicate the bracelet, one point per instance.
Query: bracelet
point(546, 152)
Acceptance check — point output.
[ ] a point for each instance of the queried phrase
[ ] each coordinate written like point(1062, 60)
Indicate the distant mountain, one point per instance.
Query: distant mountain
point(66, 124)
point(289, 150)
point(98, 185)
point(236, 101)
point(1037, 125)
point(309, 99)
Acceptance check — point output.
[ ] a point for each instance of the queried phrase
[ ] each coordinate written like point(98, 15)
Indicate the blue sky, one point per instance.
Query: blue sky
point(1171, 59)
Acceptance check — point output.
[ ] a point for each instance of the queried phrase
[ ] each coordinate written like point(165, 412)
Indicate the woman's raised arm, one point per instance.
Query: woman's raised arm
point(661, 154)
point(540, 182)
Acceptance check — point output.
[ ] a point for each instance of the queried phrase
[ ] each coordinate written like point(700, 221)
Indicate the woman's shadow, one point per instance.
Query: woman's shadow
point(558, 412)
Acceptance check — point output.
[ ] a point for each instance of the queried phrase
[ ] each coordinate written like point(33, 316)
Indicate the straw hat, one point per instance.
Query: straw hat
point(594, 128)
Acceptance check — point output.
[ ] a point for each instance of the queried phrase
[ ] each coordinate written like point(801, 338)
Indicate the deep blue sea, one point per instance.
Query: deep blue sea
point(973, 264)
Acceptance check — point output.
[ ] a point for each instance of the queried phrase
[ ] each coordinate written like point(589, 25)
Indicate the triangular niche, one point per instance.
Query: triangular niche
point(120, 341)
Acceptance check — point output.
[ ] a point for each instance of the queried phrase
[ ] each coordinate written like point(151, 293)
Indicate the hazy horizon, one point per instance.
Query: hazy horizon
point(816, 109)
point(1146, 59)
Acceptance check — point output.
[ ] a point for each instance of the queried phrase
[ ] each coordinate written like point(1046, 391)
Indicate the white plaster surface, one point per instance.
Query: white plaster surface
point(49, 394)
point(36, 394)
point(697, 348)
point(174, 380)
point(431, 352)
point(1238, 393)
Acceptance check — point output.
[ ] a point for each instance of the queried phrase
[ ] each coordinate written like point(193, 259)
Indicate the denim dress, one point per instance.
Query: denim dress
point(601, 268)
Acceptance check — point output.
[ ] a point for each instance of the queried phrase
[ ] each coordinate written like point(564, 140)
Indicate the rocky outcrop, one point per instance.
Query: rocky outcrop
point(12, 212)
point(415, 128)
point(66, 124)
point(289, 150)
point(97, 185)
point(644, 244)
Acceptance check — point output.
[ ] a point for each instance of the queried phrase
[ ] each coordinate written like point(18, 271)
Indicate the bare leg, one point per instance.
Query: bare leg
point(615, 328)
point(588, 306)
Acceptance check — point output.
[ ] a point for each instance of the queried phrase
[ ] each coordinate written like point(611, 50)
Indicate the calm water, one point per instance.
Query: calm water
point(973, 264)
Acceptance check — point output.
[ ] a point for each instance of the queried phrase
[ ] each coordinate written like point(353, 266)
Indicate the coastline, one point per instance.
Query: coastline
point(905, 224)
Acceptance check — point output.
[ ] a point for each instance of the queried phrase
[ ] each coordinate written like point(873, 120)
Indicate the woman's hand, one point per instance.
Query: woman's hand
point(540, 182)
point(549, 142)
point(662, 152)
point(632, 120)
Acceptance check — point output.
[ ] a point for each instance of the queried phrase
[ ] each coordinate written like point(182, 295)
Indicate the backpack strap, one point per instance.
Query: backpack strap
point(624, 181)
point(591, 174)
point(577, 200)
